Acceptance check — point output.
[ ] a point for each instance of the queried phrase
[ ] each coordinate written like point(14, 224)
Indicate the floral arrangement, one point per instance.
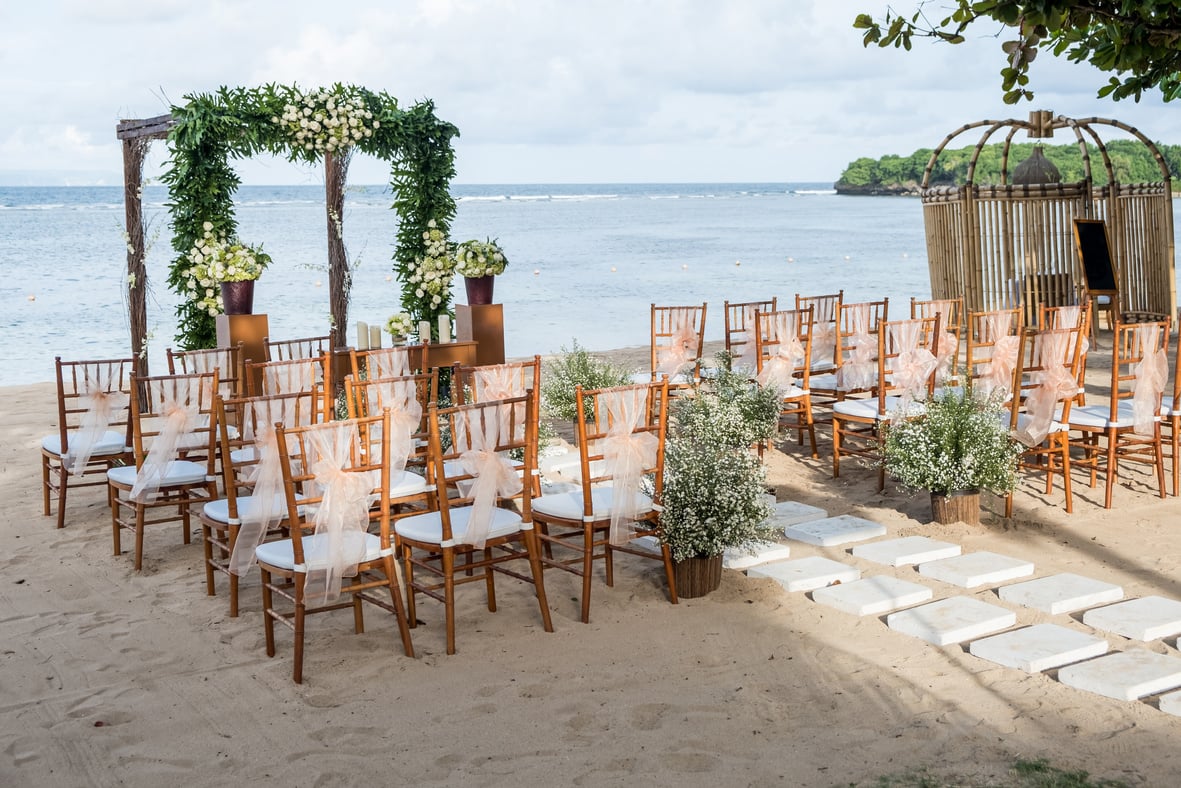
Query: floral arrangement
point(960, 443)
point(713, 496)
point(215, 260)
point(431, 274)
point(327, 120)
point(399, 325)
point(480, 258)
point(576, 367)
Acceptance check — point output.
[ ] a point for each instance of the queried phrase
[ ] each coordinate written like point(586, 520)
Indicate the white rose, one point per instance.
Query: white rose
point(207, 226)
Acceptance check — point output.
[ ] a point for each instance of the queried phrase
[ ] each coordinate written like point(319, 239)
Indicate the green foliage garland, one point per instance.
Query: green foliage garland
point(211, 130)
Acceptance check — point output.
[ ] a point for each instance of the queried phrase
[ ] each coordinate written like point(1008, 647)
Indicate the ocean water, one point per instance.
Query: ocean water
point(586, 261)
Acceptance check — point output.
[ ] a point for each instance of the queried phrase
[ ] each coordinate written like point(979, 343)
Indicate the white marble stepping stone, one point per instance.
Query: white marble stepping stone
point(1039, 647)
point(976, 569)
point(788, 513)
point(833, 531)
point(872, 595)
point(1062, 593)
point(1171, 703)
point(1146, 618)
point(951, 620)
point(1126, 675)
point(649, 543)
point(905, 551)
point(807, 574)
point(754, 555)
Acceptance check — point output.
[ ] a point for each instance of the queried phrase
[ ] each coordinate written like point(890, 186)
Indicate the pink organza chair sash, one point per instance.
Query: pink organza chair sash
point(102, 399)
point(627, 454)
point(998, 375)
point(266, 476)
point(912, 365)
point(342, 516)
point(779, 369)
point(291, 378)
point(180, 414)
point(860, 370)
point(387, 363)
point(494, 474)
point(501, 381)
point(747, 357)
point(1152, 374)
point(1055, 383)
point(681, 350)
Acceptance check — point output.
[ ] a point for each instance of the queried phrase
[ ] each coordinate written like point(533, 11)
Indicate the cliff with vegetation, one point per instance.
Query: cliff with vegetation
point(902, 175)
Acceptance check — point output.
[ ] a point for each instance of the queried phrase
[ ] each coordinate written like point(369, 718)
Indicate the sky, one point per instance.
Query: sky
point(542, 91)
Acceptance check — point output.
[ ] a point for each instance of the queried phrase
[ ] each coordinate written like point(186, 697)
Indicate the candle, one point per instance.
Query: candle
point(374, 337)
point(444, 328)
point(424, 331)
point(362, 336)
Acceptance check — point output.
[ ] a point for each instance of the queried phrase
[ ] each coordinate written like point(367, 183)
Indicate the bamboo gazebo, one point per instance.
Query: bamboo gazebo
point(1013, 245)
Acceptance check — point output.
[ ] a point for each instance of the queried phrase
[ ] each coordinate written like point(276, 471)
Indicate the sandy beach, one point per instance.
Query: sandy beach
point(115, 678)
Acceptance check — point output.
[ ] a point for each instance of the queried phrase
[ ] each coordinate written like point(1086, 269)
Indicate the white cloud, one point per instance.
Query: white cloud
point(611, 90)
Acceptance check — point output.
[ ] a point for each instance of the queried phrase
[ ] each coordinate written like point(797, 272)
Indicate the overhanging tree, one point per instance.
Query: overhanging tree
point(1137, 41)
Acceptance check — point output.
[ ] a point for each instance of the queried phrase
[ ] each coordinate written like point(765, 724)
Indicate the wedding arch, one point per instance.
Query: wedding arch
point(325, 124)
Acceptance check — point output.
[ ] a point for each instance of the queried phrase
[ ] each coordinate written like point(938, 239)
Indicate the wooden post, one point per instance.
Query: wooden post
point(340, 278)
point(137, 279)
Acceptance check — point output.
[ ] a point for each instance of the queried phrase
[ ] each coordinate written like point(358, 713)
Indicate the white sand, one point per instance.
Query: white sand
point(111, 677)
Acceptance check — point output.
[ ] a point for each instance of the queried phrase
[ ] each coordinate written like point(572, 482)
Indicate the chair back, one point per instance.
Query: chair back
point(289, 349)
point(471, 462)
point(994, 342)
point(907, 363)
point(171, 419)
point(228, 361)
point(740, 330)
point(93, 399)
point(858, 338)
point(678, 334)
point(621, 438)
point(390, 362)
point(408, 399)
point(339, 486)
point(783, 348)
point(1139, 372)
point(294, 376)
point(1047, 378)
point(825, 313)
point(947, 345)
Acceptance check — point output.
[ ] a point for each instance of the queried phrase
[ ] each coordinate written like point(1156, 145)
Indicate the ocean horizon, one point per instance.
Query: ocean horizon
point(586, 260)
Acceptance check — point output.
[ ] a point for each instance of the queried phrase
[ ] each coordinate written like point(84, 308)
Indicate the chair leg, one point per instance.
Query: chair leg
point(1159, 459)
point(411, 610)
point(268, 623)
point(358, 615)
point(115, 504)
point(391, 574)
point(588, 540)
point(139, 536)
point(298, 620)
point(63, 482)
point(1066, 473)
point(836, 447)
point(207, 540)
point(45, 484)
point(669, 572)
point(448, 561)
point(1112, 466)
point(490, 581)
point(533, 550)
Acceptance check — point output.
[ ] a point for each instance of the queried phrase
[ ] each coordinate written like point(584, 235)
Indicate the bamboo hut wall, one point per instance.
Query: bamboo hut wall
point(945, 248)
point(1143, 249)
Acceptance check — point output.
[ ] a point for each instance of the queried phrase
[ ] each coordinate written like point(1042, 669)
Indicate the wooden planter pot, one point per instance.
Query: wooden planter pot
point(698, 576)
point(956, 507)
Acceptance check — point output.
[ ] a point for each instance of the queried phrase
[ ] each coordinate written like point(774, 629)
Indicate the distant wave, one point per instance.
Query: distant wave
point(814, 191)
point(483, 198)
point(584, 197)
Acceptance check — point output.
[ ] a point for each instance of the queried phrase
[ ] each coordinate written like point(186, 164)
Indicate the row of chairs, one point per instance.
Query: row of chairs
point(416, 496)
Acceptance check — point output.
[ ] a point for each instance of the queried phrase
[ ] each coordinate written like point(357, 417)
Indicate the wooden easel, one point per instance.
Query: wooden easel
point(1099, 272)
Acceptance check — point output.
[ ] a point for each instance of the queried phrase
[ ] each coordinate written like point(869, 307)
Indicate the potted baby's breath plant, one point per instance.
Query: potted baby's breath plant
point(223, 273)
point(713, 496)
point(958, 447)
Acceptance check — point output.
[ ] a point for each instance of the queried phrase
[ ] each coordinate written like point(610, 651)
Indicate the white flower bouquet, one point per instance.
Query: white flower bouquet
point(480, 258)
point(399, 325)
point(327, 120)
point(215, 260)
point(432, 273)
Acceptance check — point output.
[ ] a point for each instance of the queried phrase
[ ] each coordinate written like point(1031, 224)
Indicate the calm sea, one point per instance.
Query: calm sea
point(585, 260)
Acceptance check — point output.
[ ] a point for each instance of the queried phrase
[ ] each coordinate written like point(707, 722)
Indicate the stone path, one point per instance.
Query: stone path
point(1083, 660)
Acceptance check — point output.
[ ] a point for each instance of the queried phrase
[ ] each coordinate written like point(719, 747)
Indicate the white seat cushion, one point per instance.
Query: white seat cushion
point(111, 442)
point(428, 526)
point(406, 483)
point(825, 382)
point(281, 553)
point(219, 510)
point(868, 408)
point(1099, 416)
point(568, 506)
point(793, 393)
point(1166, 407)
point(1023, 422)
point(177, 473)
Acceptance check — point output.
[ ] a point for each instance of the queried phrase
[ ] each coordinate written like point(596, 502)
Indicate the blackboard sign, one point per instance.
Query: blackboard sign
point(1090, 237)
